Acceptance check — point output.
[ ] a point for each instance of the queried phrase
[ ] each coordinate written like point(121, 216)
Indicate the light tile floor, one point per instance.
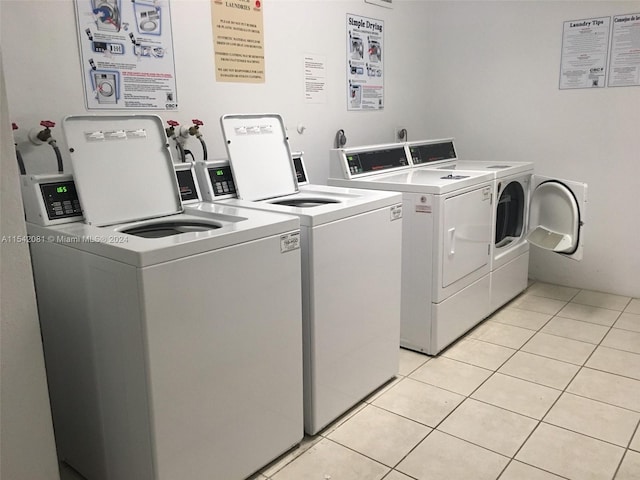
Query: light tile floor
point(546, 388)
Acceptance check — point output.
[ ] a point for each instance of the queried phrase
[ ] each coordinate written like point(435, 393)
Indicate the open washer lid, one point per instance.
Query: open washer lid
point(259, 155)
point(122, 168)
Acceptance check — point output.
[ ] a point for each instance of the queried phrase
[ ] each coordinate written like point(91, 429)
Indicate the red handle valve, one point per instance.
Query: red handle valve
point(197, 122)
point(14, 126)
point(172, 123)
point(48, 123)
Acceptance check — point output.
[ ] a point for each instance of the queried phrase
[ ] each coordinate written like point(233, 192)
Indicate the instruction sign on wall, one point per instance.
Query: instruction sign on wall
point(585, 45)
point(238, 37)
point(126, 54)
point(365, 70)
point(624, 66)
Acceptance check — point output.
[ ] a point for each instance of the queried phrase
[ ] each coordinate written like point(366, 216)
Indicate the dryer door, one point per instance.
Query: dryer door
point(556, 215)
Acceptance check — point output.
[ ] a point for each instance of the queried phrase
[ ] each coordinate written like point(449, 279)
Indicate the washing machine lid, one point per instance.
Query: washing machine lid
point(122, 167)
point(556, 215)
point(259, 155)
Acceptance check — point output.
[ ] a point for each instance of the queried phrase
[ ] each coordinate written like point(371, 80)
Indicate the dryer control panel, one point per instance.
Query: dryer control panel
point(376, 160)
point(432, 152)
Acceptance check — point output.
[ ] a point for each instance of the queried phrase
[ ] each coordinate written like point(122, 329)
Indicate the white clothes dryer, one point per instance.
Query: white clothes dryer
point(446, 240)
point(351, 255)
point(529, 209)
point(167, 356)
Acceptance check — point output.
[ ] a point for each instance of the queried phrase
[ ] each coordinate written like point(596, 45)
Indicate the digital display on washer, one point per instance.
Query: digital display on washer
point(222, 181)
point(61, 199)
point(377, 160)
point(433, 152)
point(297, 164)
point(187, 185)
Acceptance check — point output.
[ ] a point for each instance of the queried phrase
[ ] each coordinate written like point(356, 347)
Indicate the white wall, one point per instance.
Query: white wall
point(493, 84)
point(26, 435)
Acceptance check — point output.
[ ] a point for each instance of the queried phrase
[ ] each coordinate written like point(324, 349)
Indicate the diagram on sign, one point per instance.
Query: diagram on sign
point(126, 54)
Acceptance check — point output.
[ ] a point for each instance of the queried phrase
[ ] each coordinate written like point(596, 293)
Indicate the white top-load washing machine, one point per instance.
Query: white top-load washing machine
point(350, 247)
point(547, 212)
point(446, 240)
point(172, 340)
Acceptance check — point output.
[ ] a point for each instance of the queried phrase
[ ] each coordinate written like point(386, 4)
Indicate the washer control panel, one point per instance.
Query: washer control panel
point(61, 200)
point(222, 180)
point(187, 184)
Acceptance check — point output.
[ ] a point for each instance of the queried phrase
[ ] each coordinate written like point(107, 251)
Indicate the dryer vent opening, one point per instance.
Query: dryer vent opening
point(510, 214)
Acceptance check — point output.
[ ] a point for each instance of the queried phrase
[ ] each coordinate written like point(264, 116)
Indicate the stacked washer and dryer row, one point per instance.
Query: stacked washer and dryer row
point(467, 229)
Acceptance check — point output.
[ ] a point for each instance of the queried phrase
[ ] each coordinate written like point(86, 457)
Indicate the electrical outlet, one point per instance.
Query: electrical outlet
point(400, 134)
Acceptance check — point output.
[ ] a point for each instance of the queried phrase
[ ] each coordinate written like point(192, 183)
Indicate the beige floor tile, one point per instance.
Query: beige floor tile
point(623, 340)
point(501, 334)
point(327, 459)
point(628, 321)
point(542, 370)
point(634, 306)
point(613, 389)
point(418, 401)
point(520, 471)
point(570, 454)
point(603, 300)
point(341, 419)
point(587, 313)
point(441, 456)
point(559, 348)
point(630, 467)
point(635, 442)
point(490, 427)
point(521, 318)
point(615, 361)
point(451, 375)
point(306, 443)
point(594, 419)
point(383, 389)
point(534, 303)
point(481, 354)
point(380, 435)
point(575, 329)
point(517, 395)
point(552, 291)
point(394, 475)
point(410, 360)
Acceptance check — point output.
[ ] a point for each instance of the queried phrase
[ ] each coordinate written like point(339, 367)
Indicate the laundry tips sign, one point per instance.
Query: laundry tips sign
point(126, 54)
point(365, 70)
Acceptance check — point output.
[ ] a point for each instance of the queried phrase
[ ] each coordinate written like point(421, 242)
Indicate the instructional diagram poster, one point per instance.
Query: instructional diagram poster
point(126, 54)
point(624, 64)
point(238, 38)
point(585, 44)
point(365, 55)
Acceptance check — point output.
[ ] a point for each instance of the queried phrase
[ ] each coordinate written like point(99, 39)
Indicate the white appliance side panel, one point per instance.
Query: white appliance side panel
point(466, 234)
point(509, 280)
point(459, 313)
point(417, 271)
point(355, 297)
point(94, 350)
point(225, 359)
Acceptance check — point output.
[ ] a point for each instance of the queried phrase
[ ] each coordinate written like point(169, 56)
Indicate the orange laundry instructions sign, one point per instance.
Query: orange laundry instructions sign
point(238, 38)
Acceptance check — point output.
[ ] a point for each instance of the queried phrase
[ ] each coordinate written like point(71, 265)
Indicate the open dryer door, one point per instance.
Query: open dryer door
point(556, 215)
